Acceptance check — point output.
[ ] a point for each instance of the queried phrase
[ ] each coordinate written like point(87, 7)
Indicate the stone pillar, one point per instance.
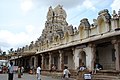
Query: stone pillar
point(15, 62)
point(93, 55)
point(76, 57)
point(50, 60)
point(61, 60)
point(117, 54)
point(73, 49)
point(42, 65)
point(35, 61)
point(18, 61)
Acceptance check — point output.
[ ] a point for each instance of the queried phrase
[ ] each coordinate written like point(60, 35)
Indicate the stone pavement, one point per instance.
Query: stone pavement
point(27, 77)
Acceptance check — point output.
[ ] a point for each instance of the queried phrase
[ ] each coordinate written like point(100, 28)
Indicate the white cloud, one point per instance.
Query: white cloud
point(11, 40)
point(115, 5)
point(29, 28)
point(26, 5)
point(88, 4)
point(66, 3)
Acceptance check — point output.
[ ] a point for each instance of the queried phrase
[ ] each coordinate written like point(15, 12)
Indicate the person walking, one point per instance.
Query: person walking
point(38, 73)
point(19, 72)
point(10, 71)
point(66, 73)
point(22, 70)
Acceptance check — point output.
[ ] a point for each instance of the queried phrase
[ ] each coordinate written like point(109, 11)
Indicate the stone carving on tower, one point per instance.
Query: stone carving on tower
point(55, 25)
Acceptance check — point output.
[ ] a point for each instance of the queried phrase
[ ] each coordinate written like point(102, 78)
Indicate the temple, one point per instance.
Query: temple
point(62, 44)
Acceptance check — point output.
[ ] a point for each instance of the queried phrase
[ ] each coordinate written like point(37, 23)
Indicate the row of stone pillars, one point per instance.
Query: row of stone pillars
point(61, 59)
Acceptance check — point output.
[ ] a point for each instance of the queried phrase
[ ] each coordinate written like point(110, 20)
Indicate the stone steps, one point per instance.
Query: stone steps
point(105, 77)
point(74, 76)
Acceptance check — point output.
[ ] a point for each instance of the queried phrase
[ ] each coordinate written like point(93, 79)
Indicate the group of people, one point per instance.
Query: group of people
point(97, 67)
point(66, 72)
point(20, 71)
point(3, 69)
point(11, 71)
point(85, 73)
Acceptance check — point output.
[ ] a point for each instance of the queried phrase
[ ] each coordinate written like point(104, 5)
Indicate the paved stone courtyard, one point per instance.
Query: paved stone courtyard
point(26, 77)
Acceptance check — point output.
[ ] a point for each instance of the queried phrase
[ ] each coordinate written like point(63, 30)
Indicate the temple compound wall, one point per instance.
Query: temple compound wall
point(61, 44)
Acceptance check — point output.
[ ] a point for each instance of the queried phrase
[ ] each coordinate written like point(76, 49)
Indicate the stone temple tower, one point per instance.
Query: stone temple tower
point(56, 22)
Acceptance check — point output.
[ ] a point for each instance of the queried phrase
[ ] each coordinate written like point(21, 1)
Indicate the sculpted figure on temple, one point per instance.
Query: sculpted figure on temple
point(26, 47)
point(84, 23)
point(49, 38)
point(18, 49)
point(115, 16)
point(94, 22)
point(23, 48)
point(50, 13)
point(75, 31)
point(119, 13)
point(31, 45)
point(105, 15)
point(70, 30)
point(37, 44)
point(60, 12)
point(56, 36)
point(108, 17)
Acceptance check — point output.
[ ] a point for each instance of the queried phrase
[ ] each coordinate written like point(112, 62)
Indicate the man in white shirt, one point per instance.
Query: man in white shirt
point(66, 73)
point(38, 73)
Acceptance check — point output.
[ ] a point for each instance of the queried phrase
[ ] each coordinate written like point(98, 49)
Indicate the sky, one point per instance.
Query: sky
point(22, 21)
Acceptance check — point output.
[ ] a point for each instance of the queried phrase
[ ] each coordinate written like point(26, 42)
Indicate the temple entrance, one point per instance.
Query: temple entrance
point(39, 60)
point(46, 62)
point(55, 61)
point(82, 58)
point(32, 62)
point(105, 55)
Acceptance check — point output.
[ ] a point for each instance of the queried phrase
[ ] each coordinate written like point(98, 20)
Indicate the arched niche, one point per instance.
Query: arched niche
point(101, 25)
point(33, 62)
point(81, 31)
point(82, 58)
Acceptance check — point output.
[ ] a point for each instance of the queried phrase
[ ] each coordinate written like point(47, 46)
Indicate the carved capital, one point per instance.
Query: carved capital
point(42, 55)
point(49, 53)
point(60, 51)
point(73, 48)
point(91, 45)
point(114, 41)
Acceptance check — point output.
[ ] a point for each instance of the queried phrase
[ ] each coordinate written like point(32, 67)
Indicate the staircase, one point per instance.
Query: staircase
point(100, 75)
point(106, 75)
